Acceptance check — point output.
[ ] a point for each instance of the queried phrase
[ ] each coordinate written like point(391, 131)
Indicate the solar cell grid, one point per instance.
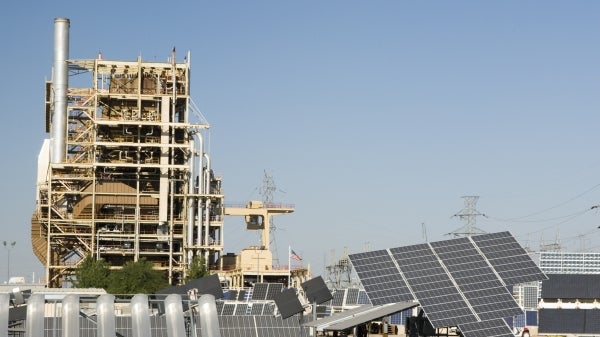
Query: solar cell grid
point(380, 277)
point(338, 298)
point(363, 298)
point(438, 296)
point(508, 258)
point(236, 326)
point(257, 308)
point(480, 286)
point(259, 292)
point(488, 328)
point(241, 309)
point(352, 296)
point(219, 305)
point(269, 309)
point(272, 290)
point(228, 309)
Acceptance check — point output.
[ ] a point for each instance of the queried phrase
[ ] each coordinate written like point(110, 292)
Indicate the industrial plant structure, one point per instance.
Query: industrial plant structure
point(125, 175)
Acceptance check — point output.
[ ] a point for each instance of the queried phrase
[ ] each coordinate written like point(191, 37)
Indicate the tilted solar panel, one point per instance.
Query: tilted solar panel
point(259, 291)
point(338, 298)
point(380, 277)
point(477, 281)
point(352, 296)
point(508, 258)
point(272, 290)
point(432, 286)
point(457, 282)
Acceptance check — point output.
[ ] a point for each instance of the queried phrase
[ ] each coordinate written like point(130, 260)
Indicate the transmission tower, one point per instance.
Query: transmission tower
point(267, 190)
point(339, 272)
point(469, 215)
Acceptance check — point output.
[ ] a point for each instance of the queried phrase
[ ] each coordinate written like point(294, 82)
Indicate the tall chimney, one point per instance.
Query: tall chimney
point(60, 79)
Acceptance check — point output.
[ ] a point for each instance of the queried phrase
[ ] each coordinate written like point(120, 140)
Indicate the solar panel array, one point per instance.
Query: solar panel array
point(459, 282)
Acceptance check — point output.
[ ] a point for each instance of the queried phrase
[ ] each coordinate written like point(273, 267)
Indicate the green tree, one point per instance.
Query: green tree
point(92, 273)
point(197, 268)
point(137, 278)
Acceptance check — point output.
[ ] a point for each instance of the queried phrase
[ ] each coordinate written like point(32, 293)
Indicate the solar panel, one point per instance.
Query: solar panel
point(259, 291)
point(482, 289)
point(219, 305)
point(272, 290)
point(242, 295)
point(240, 309)
point(458, 281)
point(352, 296)
point(276, 326)
point(363, 298)
point(228, 309)
point(508, 258)
point(257, 309)
point(489, 328)
point(316, 290)
point(237, 326)
point(432, 286)
point(380, 277)
point(338, 298)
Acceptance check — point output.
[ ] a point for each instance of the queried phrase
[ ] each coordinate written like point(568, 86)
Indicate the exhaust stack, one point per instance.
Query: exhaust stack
point(60, 79)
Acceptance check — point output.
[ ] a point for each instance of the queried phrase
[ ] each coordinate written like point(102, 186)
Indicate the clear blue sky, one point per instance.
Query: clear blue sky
point(374, 117)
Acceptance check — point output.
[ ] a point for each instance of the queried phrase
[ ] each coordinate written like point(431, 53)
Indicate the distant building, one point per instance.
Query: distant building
point(570, 263)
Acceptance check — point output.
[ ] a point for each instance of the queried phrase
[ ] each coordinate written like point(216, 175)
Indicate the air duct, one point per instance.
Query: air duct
point(60, 79)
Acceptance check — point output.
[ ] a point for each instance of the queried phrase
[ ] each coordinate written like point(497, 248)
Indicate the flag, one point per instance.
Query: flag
point(295, 256)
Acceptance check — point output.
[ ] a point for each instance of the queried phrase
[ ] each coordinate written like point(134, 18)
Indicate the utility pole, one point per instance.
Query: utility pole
point(8, 246)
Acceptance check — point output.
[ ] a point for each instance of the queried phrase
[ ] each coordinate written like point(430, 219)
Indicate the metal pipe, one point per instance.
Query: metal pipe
point(4, 309)
point(207, 219)
point(105, 307)
point(34, 325)
point(209, 320)
point(191, 200)
point(60, 81)
point(140, 316)
point(70, 315)
point(200, 175)
point(174, 313)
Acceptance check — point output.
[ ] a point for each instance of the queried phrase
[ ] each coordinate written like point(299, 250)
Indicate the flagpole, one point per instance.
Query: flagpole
point(289, 266)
